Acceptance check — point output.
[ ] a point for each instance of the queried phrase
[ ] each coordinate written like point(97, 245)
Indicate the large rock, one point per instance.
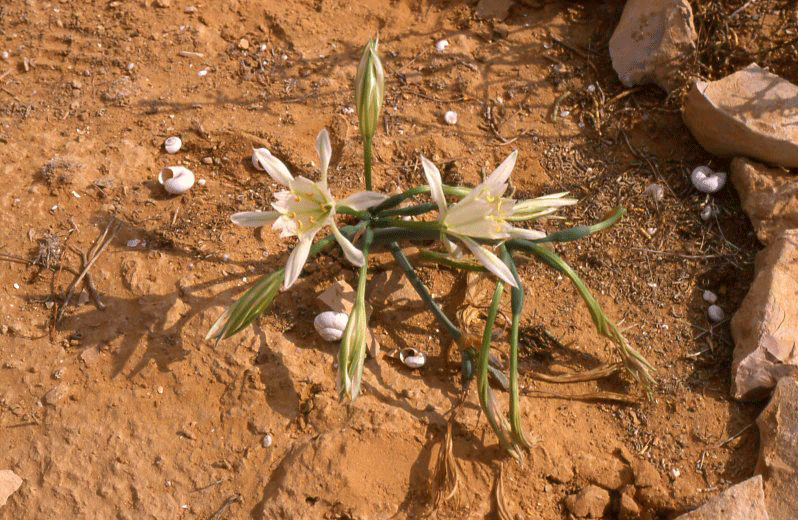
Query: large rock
point(751, 112)
point(652, 41)
point(778, 450)
point(769, 197)
point(743, 501)
point(765, 327)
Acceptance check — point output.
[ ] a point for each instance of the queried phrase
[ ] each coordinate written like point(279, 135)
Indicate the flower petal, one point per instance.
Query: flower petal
point(325, 152)
point(502, 173)
point(254, 218)
point(273, 166)
point(363, 200)
point(353, 254)
point(490, 261)
point(527, 234)
point(435, 184)
point(296, 261)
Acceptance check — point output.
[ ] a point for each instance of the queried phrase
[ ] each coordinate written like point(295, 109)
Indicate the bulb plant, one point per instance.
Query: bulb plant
point(480, 222)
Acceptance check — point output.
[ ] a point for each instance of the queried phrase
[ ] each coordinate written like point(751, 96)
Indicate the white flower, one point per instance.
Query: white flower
point(304, 208)
point(485, 213)
point(480, 214)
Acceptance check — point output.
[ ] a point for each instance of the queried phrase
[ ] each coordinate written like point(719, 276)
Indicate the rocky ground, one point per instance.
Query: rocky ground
point(119, 409)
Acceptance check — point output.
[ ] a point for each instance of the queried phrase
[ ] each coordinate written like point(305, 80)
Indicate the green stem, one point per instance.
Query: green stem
point(407, 224)
point(367, 160)
point(418, 209)
point(486, 399)
point(394, 200)
point(516, 306)
point(423, 293)
point(358, 357)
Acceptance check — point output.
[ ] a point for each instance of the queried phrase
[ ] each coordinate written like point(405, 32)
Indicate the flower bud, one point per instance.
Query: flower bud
point(369, 90)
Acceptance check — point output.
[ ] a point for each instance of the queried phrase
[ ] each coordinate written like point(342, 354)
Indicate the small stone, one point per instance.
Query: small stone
point(202, 182)
point(56, 394)
point(707, 212)
point(163, 3)
point(243, 44)
point(441, 45)
point(590, 502)
point(207, 160)
point(750, 113)
point(743, 501)
point(266, 441)
point(450, 117)
point(10, 482)
point(58, 373)
point(190, 9)
point(628, 508)
point(652, 41)
point(710, 297)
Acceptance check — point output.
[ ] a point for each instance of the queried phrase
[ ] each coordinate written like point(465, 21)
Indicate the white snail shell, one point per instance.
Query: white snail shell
point(172, 144)
point(710, 297)
point(176, 179)
point(706, 180)
point(450, 117)
point(330, 325)
point(715, 313)
point(413, 358)
point(441, 45)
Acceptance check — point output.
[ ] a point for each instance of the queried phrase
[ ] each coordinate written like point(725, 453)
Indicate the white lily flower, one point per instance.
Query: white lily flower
point(486, 213)
point(475, 216)
point(305, 208)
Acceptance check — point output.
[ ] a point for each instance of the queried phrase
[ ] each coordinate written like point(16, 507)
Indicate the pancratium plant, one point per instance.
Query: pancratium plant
point(481, 221)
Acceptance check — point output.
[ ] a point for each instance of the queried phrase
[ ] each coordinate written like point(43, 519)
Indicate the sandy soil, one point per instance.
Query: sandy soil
point(126, 413)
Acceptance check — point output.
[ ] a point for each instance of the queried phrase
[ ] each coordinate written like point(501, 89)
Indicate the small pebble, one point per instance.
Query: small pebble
point(267, 440)
point(450, 117)
point(710, 297)
point(58, 373)
point(715, 313)
point(441, 45)
point(133, 242)
point(190, 10)
point(130, 66)
point(159, 389)
point(201, 182)
point(5, 55)
point(207, 160)
point(202, 73)
point(243, 44)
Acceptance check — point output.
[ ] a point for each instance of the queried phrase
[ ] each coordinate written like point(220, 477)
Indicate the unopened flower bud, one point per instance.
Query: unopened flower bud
point(369, 89)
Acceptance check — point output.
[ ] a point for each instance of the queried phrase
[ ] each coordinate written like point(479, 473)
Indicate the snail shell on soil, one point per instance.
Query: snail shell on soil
point(172, 144)
point(716, 313)
point(450, 117)
point(412, 358)
point(706, 180)
point(330, 325)
point(176, 179)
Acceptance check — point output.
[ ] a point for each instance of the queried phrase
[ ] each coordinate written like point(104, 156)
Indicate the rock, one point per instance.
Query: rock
point(652, 41)
point(628, 508)
point(590, 502)
point(743, 501)
point(9, 484)
point(498, 9)
point(751, 112)
point(778, 450)
point(769, 197)
point(765, 326)
point(56, 394)
point(605, 471)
